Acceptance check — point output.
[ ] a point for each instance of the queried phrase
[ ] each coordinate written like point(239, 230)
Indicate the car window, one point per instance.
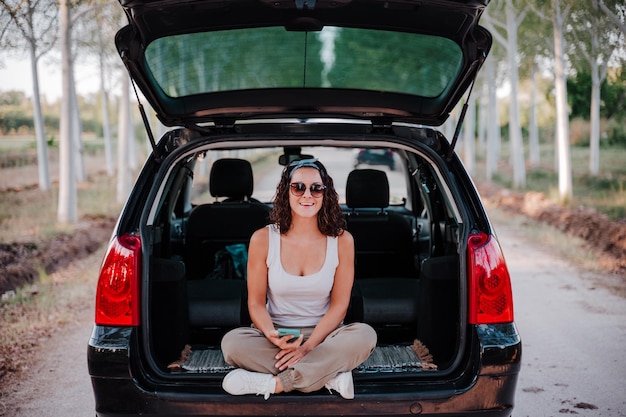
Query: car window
point(334, 57)
point(266, 170)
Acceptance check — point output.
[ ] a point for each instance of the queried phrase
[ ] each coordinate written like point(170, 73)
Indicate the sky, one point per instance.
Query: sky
point(15, 74)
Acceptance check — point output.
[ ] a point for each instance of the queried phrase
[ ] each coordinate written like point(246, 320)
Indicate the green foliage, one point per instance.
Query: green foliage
point(613, 94)
point(614, 97)
point(13, 121)
point(579, 95)
point(616, 134)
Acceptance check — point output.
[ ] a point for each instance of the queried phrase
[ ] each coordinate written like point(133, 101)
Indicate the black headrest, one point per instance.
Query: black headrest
point(232, 178)
point(367, 188)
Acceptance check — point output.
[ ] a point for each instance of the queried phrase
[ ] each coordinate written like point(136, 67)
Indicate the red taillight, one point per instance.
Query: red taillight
point(490, 295)
point(117, 295)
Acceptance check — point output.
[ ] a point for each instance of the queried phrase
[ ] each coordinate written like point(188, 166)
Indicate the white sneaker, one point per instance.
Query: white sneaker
point(241, 382)
point(343, 384)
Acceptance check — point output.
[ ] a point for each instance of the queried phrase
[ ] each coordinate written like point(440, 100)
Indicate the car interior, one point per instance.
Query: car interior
point(406, 259)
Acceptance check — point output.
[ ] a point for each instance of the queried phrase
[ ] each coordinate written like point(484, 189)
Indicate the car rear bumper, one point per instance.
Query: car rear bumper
point(487, 388)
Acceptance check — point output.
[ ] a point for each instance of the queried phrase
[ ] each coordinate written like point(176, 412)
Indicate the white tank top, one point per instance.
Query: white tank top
point(298, 301)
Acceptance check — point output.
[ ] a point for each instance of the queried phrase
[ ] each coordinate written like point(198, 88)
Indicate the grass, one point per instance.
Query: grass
point(31, 215)
point(605, 192)
point(573, 249)
point(17, 143)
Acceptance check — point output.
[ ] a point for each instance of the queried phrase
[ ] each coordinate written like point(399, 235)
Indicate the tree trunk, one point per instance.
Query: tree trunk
point(469, 136)
point(562, 116)
point(515, 130)
point(123, 175)
point(533, 127)
point(67, 208)
point(133, 157)
point(493, 125)
point(76, 129)
point(594, 133)
point(40, 134)
point(482, 118)
point(448, 127)
point(106, 130)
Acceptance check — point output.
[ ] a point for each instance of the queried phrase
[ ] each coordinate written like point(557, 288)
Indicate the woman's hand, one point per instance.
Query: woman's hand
point(290, 352)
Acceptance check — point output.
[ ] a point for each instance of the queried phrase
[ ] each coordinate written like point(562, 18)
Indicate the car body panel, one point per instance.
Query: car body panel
point(491, 392)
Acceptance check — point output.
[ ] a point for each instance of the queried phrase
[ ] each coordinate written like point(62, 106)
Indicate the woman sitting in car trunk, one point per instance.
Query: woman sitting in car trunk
point(300, 276)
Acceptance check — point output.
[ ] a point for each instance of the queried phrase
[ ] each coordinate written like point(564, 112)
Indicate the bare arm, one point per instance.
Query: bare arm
point(257, 281)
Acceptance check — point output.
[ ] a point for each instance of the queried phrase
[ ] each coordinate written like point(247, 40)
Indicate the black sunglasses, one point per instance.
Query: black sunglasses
point(299, 188)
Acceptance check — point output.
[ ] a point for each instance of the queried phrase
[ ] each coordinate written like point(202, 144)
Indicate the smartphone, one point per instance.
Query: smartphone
point(295, 333)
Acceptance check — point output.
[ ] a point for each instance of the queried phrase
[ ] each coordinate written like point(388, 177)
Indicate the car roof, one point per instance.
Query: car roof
point(219, 61)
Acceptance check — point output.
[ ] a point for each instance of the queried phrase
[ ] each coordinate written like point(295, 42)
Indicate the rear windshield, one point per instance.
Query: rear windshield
point(334, 57)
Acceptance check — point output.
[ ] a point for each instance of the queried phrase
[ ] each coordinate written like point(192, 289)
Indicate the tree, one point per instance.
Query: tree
point(123, 142)
point(32, 24)
point(469, 135)
point(559, 16)
point(596, 39)
point(513, 18)
point(535, 48)
point(70, 156)
point(93, 37)
point(534, 156)
point(616, 12)
point(493, 126)
point(555, 12)
point(67, 204)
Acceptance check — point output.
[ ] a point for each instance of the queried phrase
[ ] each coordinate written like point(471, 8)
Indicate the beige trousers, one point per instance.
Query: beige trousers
point(343, 350)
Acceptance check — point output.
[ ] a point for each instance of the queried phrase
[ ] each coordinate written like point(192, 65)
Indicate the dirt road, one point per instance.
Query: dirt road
point(573, 332)
point(56, 381)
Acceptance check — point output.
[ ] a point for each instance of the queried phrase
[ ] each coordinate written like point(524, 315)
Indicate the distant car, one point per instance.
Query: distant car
point(375, 157)
point(247, 87)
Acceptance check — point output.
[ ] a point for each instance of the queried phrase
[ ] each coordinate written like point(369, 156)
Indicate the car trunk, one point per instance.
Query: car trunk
point(407, 270)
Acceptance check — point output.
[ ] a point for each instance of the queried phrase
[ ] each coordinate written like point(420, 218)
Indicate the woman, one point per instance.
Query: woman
point(300, 276)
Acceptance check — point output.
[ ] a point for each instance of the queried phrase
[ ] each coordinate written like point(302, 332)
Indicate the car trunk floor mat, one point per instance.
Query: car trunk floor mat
point(390, 358)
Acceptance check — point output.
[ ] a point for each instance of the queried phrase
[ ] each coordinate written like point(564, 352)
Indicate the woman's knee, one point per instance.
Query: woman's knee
point(233, 341)
point(367, 335)
point(228, 342)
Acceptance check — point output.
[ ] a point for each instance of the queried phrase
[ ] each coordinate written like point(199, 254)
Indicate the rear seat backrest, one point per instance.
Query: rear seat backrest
point(383, 239)
point(386, 285)
point(210, 227)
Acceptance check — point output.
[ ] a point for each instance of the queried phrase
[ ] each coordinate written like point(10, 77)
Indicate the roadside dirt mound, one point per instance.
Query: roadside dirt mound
point(20, 263)
point(607, 237)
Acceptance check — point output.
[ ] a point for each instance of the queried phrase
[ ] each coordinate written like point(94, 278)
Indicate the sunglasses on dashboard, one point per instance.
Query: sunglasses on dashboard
point(299, 188)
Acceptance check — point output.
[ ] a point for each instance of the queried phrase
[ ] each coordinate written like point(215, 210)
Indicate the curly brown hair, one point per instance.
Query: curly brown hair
point(330, 218)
